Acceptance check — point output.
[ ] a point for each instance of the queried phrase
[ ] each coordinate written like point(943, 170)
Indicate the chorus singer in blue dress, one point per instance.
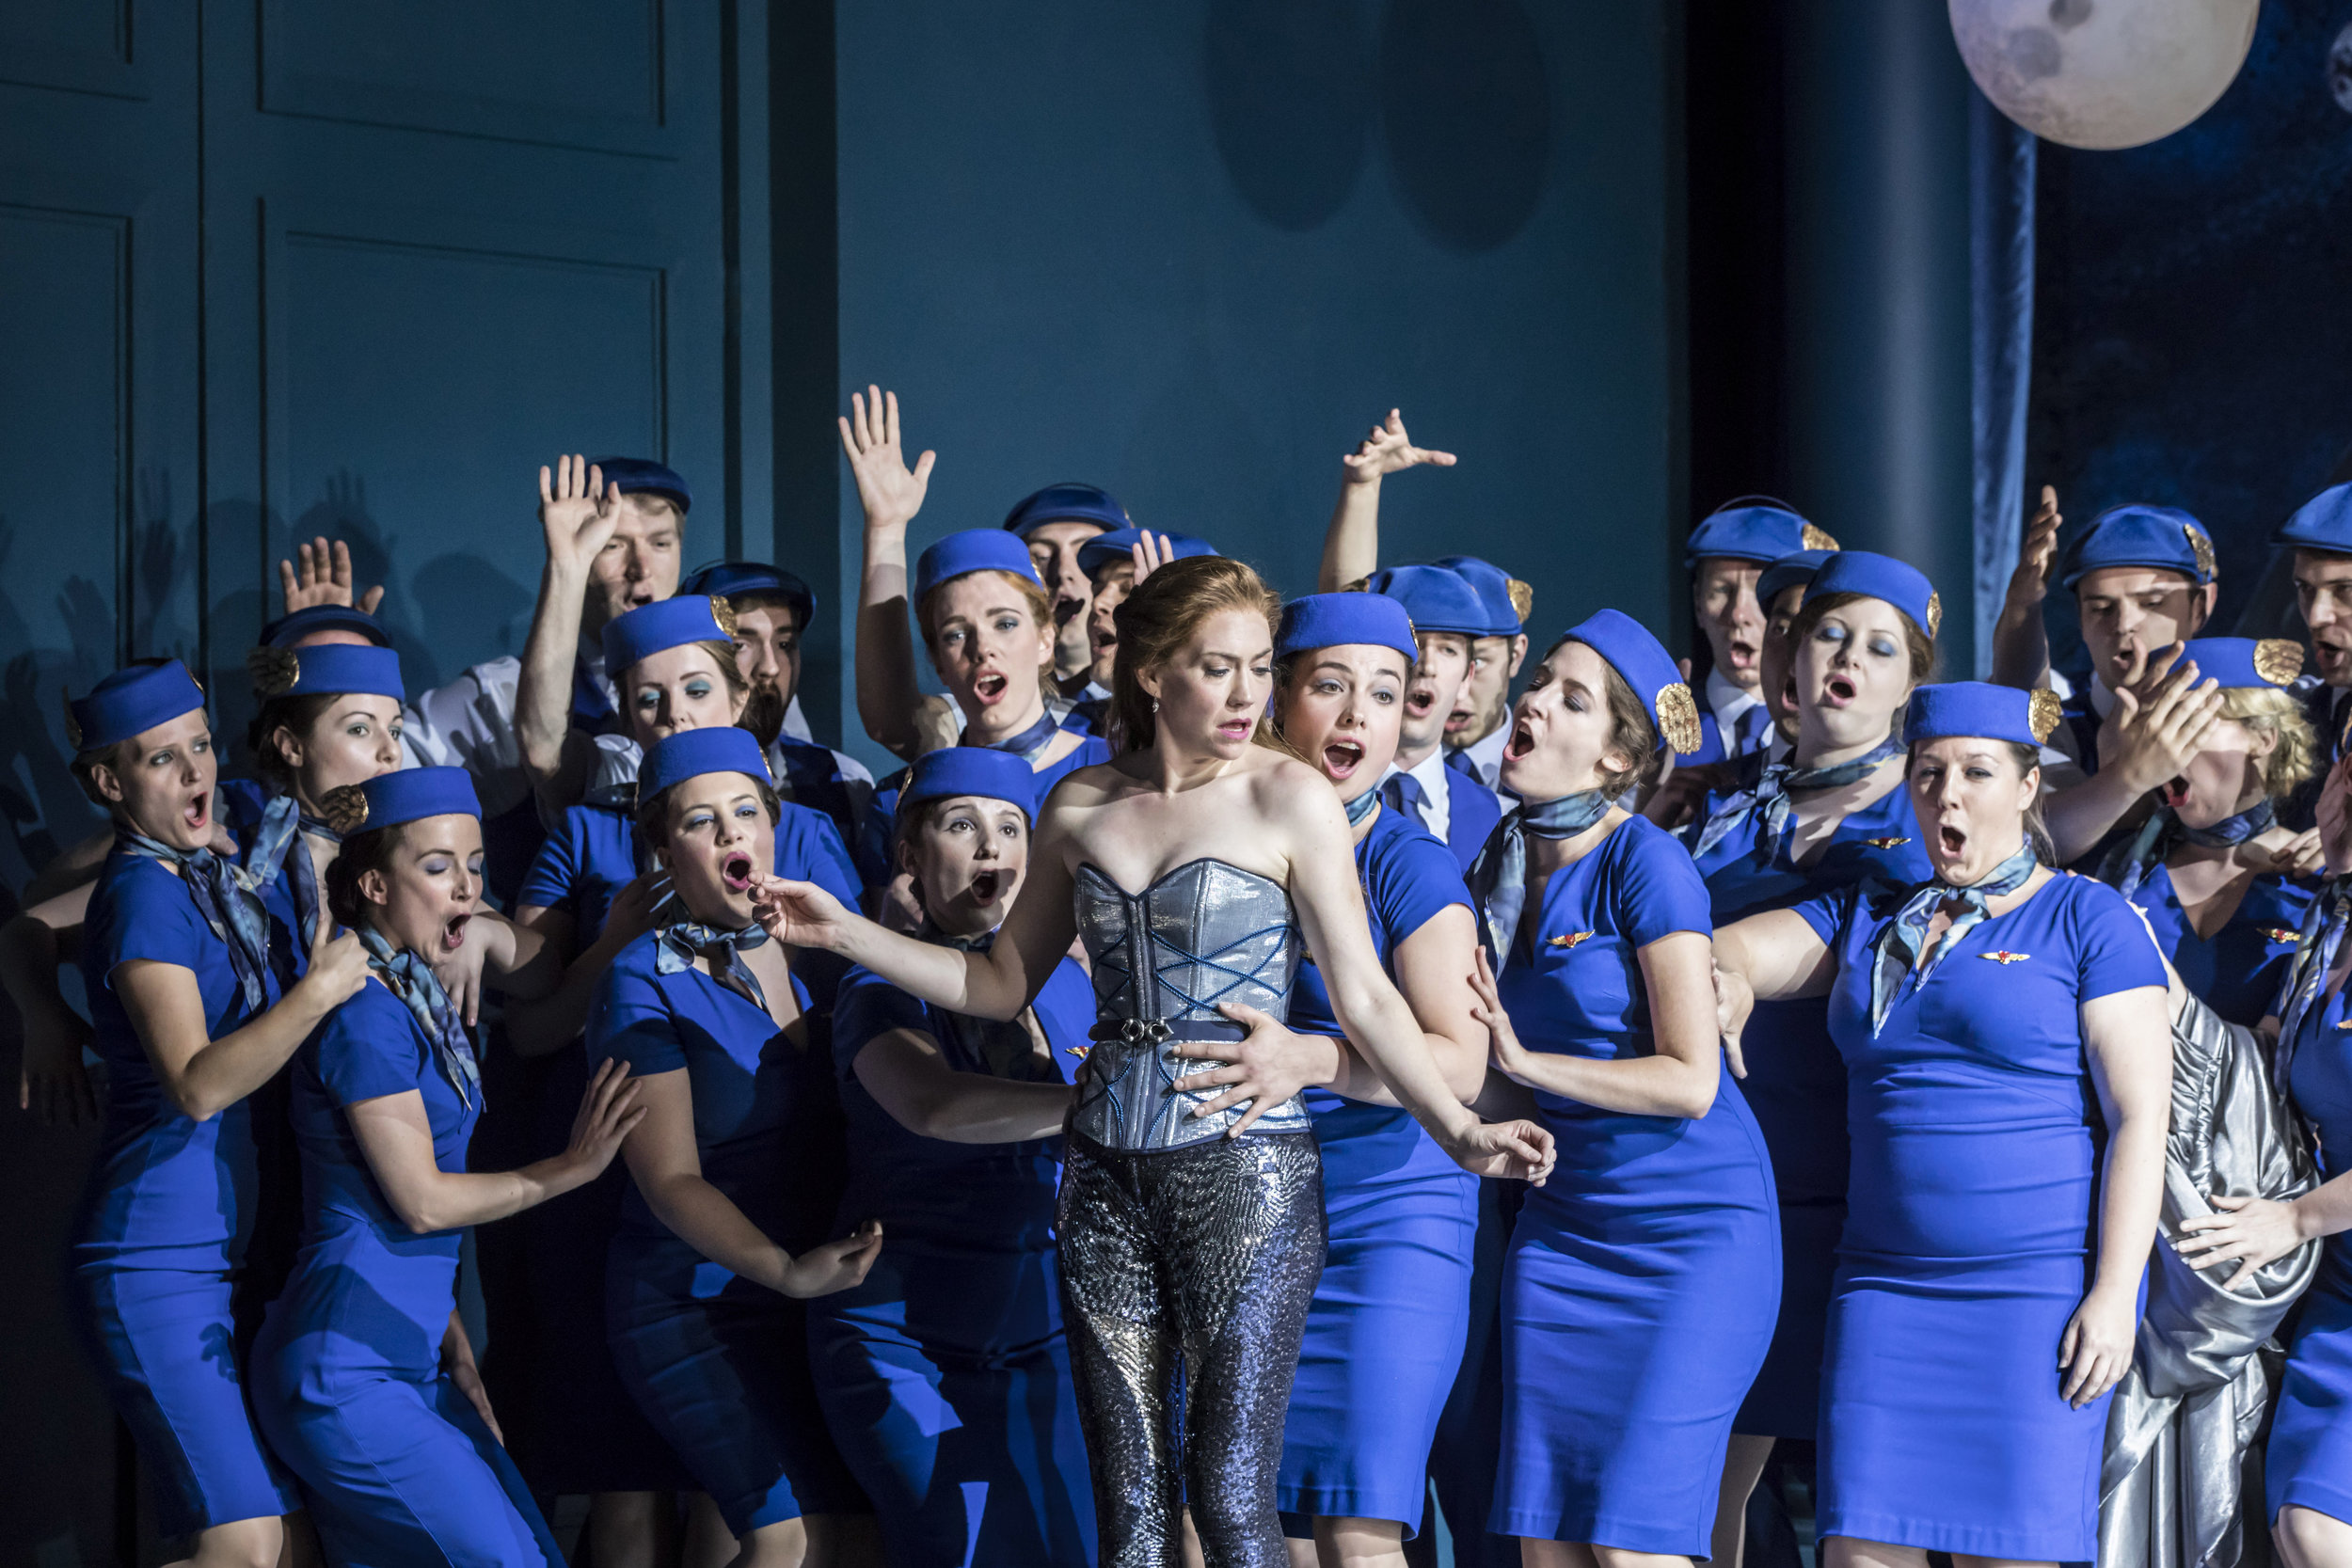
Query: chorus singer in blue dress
point(363, 1377)
point(1988, 1279)
point(1642, 1281)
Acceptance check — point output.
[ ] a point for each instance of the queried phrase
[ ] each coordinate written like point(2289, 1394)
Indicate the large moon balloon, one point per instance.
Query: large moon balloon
point(2102, 73)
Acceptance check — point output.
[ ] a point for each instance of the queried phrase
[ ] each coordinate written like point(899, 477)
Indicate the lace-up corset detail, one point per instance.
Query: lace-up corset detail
point(1164, 959)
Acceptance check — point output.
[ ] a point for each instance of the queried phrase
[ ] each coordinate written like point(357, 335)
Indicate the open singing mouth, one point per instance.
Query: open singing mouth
point(736, 872)
point(1523, 741)
point(984, 886)
point(1340, 758)
point(454, 932)
point(1839, 689)
point(989, 687)
point(1953, 840)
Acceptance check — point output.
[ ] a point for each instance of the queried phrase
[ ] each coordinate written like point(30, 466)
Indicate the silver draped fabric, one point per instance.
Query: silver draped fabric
point(2202, 1381)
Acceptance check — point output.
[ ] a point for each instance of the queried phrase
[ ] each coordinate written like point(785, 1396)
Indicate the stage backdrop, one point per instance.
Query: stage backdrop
point(2190, 344)
point(1190, 252)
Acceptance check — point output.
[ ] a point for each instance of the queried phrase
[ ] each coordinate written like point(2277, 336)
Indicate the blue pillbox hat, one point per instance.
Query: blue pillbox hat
point(725, 579)
point(1337, 620)
point(2162, 537)
point(409, 794)
point(291, 628)
point(1883, 577)
point(685, 754)
point(2263, 662)
point(1644, 664)
point(1114, 543)
point(1067, 503)
point(1437, 597)
point(330, 667)
point(633, 474)
point(1494, 591)
point(1762, 533)
point(1792, 570)
point(955, 770)
point(2322, 523)
point(975, 550)
point(665, 623)
point(132, 701)
point(1980, 710)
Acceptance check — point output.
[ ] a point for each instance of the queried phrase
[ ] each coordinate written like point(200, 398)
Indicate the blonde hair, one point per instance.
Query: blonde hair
point(2294, 751)
point(1161, 615)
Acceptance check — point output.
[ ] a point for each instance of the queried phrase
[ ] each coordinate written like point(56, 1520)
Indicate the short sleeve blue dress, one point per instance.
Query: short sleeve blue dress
point(2309, 1461)
point(946, 1374)
point(397, 1466)
point(162, 1234)
point(717, 1363)
point(585, 1434)
point(2238, 970)
point(1386, 1329)
point(1796, 1085)
point(1967, 1240)
point(1643, 1277)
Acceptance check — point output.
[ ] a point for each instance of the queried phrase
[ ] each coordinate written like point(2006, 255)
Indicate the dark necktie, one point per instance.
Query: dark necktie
point(1403, 794)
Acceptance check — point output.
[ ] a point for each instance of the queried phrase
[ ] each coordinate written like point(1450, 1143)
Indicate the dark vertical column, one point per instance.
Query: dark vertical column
point(811, 537)
point(1878, 372)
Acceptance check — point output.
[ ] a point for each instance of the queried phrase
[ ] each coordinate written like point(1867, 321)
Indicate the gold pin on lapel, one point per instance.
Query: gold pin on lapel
point(2281, 933)
point(1892, 840)
point(1567, 938)
point(2003, 957)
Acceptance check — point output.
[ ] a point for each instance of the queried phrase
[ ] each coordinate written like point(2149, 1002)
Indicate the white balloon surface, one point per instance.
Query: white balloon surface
point(2102, 73)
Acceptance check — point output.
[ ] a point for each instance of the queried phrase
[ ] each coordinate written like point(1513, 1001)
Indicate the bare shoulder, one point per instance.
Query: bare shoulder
point(1286, 784)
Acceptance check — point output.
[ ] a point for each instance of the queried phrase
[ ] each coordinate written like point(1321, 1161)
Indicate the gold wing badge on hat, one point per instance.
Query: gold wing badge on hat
point(345, 809)
point(274, 671)
point(72, 725)
point(1935, 612)
point(1523, 600)
point(1678, 718)
point(2200, 547)
point(722, 612)
point(2278, 661)
point(1817, 538)
point(2043, 712)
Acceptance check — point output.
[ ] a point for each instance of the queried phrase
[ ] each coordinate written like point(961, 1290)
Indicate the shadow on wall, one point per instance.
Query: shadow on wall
point(1455, 89)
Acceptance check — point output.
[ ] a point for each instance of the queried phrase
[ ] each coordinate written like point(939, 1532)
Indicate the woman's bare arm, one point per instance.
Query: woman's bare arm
point(2127, 1042)
point(203, 1076)
point(908, 1077)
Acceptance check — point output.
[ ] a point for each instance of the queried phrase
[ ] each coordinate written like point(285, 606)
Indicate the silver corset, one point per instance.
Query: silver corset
point(1164, 959)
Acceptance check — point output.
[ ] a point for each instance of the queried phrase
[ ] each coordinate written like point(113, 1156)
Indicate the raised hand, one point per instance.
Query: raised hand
point(798, 914)
point(608, 1113)
point(1152, 552)
point(320, 574)
point(2029, 584)
point(1385, 451)
point(835, 1266)
point(1267, 1067)
point(2161, 721)
point(577, 512)
point(890, 492)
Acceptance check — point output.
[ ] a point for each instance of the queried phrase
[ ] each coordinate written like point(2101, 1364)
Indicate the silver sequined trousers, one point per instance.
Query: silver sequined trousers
point(1189, 1269)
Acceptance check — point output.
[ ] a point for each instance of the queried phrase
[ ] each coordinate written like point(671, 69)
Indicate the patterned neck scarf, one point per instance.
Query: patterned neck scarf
point(225, 897)
point(1361, 807)
point(2128, 865)
point(1027, 745)
point(680, 941)
point(281, 842)
point(2315, 954)
point(1768, 798)
point(420, 990)
point(1498, 878)
point(1009, 1049)
point(1905, 937)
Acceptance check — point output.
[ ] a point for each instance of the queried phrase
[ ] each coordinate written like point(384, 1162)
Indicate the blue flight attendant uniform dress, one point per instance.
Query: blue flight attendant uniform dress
point(1392, 1311)
point(946, 1375)
point(1796, 1081)
point(165, 1219)
point(2238, 970)
point(586, 1434)
point(1967, 1245)
point(2309, 1461)
point(1639, 1296)
point(719, 1364)
point(397, 1466)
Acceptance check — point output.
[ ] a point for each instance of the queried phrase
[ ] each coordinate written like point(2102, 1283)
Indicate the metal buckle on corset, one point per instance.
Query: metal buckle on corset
point(1131, 1031)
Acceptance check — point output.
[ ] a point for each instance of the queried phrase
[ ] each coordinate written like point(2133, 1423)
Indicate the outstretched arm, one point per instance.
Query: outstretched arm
point(891, 493)
point(997, 984)
point(1351, 544)
point(2021, 643)
point(578, 513)
point(908, 1077)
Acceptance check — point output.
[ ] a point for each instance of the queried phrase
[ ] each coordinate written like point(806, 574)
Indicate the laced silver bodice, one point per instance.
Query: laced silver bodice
point(1164, 959)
